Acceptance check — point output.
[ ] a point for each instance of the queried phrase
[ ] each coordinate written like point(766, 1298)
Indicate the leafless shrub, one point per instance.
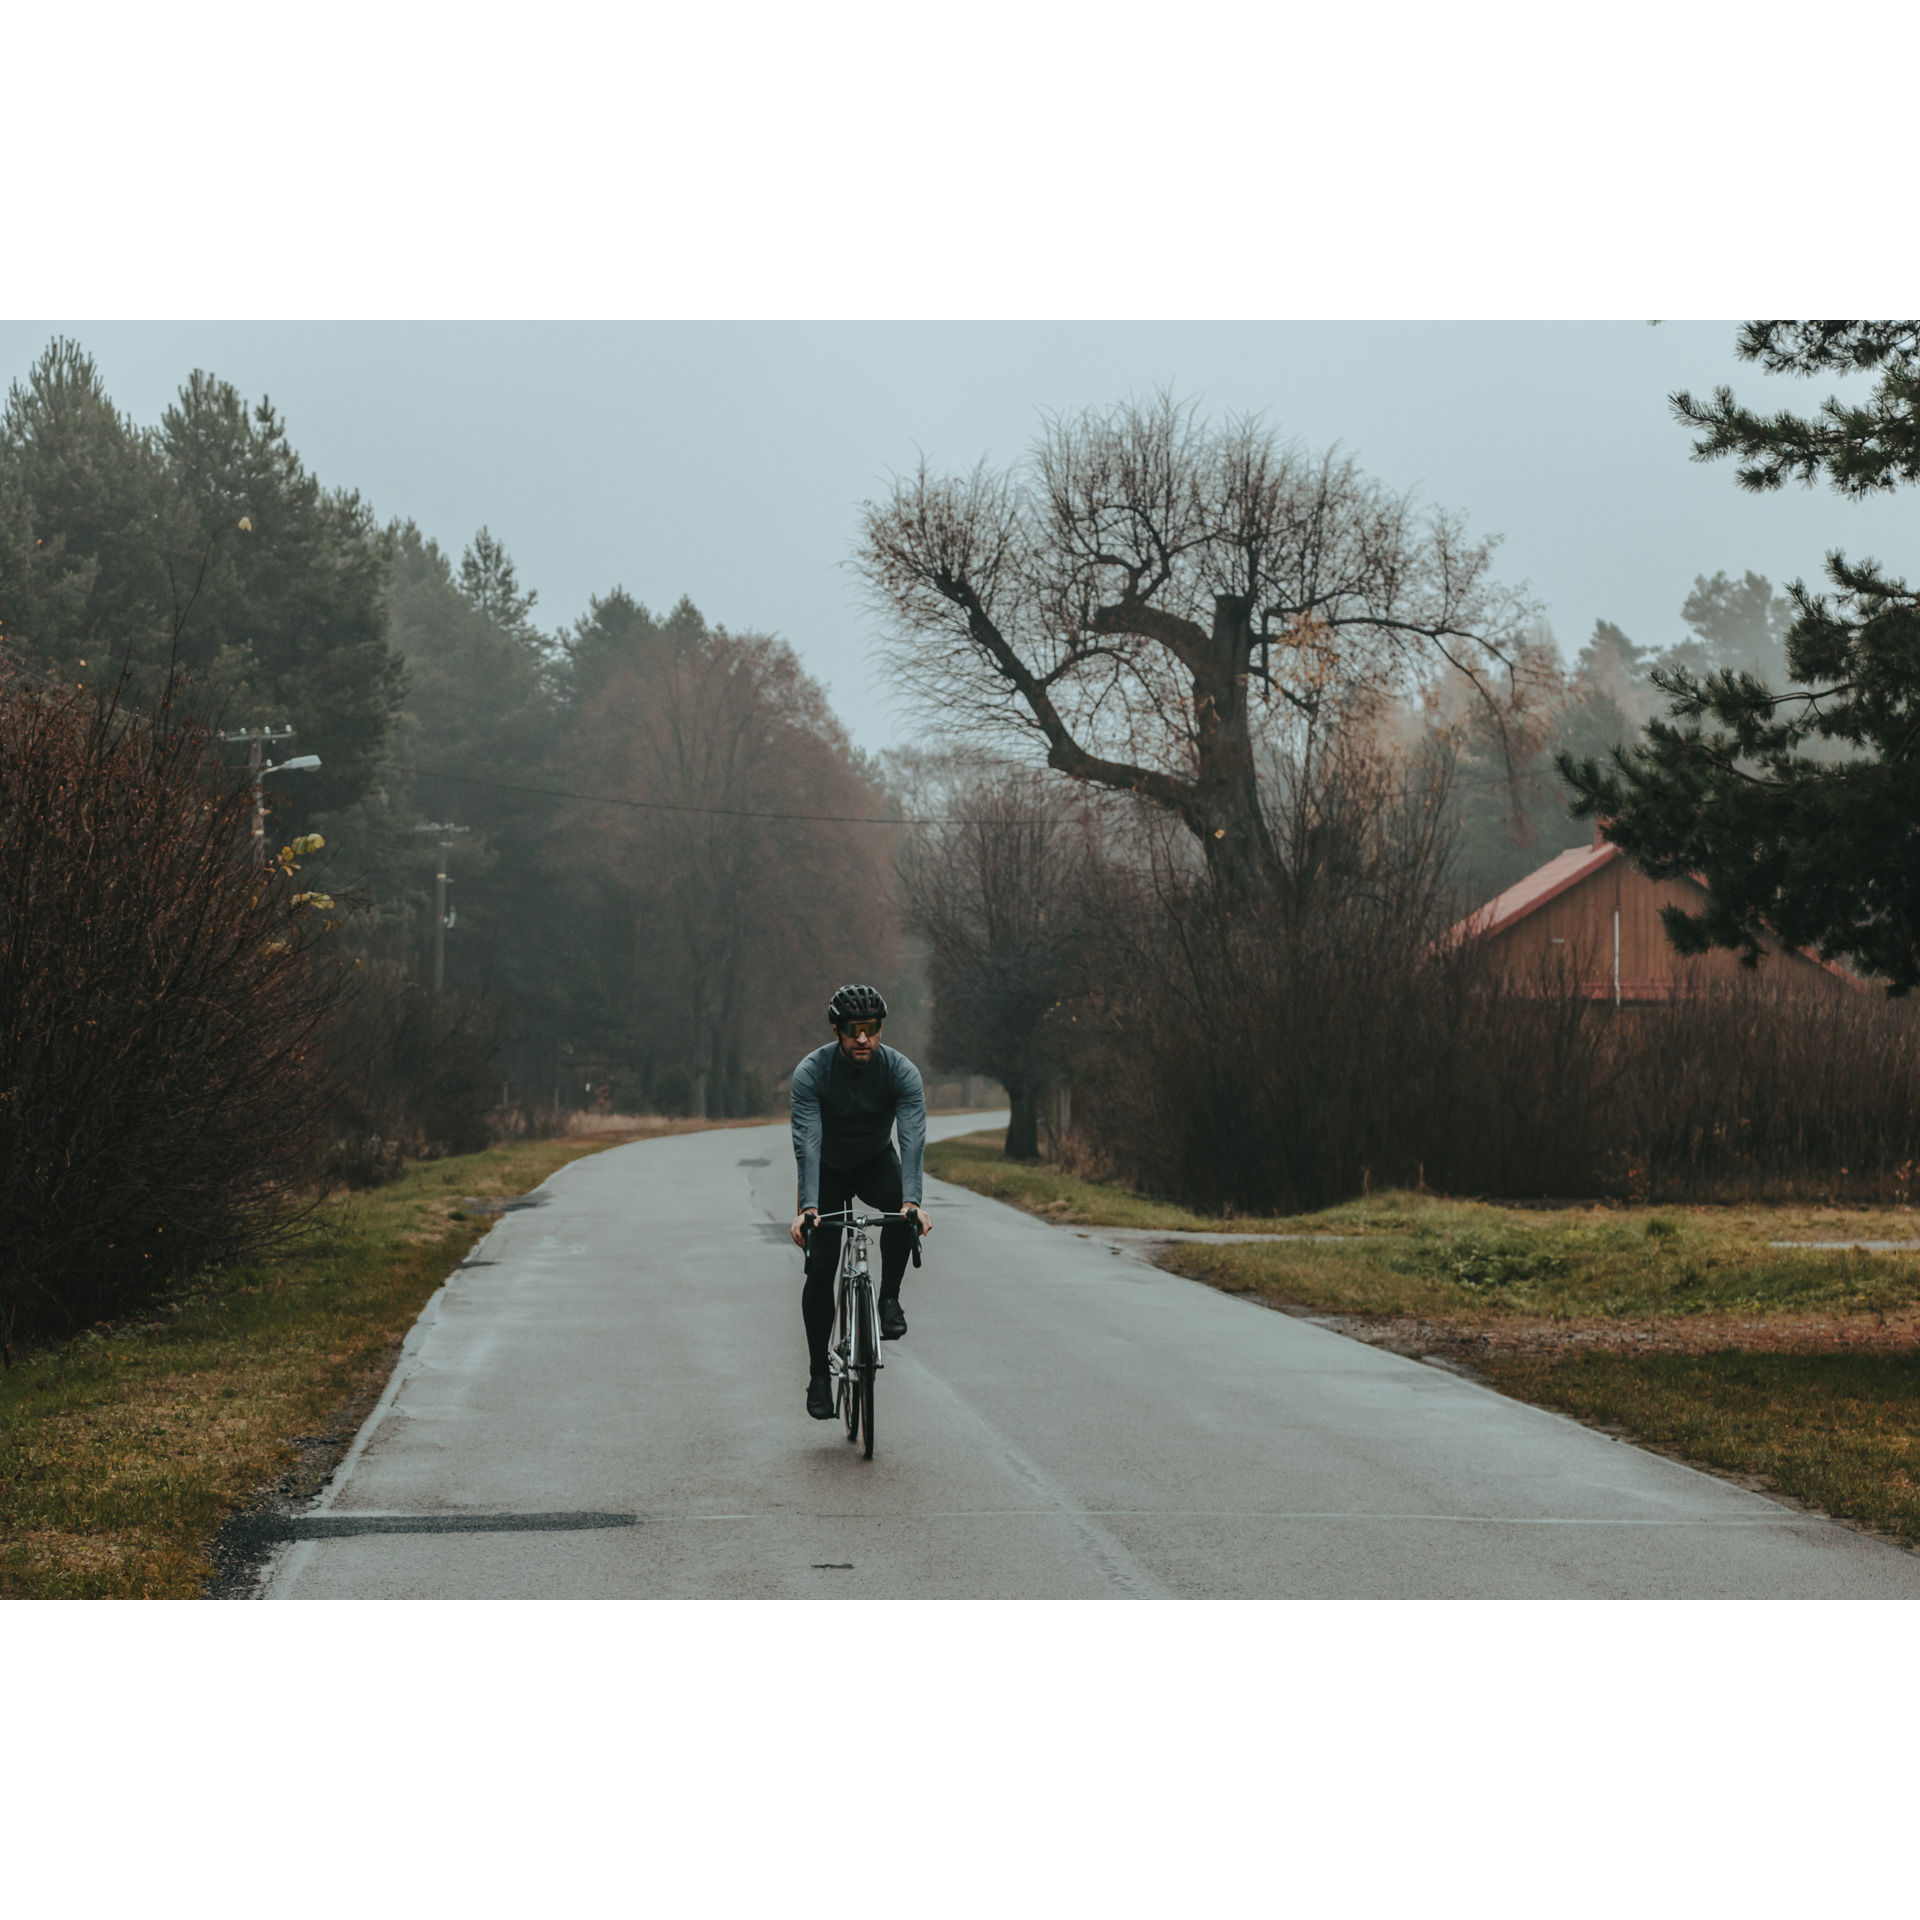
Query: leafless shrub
point(412, 1075)
point(162, 1006)
point(1764, 1088)
point(999, 884)
point(1286, 1058)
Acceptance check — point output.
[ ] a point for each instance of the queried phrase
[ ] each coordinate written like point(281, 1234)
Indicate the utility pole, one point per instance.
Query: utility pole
point(440, 885)
point(258, 739)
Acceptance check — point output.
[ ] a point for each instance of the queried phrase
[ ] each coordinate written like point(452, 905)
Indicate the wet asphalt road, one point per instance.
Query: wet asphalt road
point(606, 1401)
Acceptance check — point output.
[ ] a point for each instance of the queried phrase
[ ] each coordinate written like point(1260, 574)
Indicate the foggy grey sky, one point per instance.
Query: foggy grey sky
point(728, 460)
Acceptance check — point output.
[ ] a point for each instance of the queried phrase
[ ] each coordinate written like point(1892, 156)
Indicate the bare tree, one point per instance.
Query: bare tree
point(748, 845)
point(998, 887)
point(1119, 596)
point(1360, 819)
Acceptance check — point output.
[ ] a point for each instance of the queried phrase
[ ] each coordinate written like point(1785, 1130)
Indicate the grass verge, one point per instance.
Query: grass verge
point(123, 1453)
point(979, 1161)
point(1839, 1431)
point(1794, 1368)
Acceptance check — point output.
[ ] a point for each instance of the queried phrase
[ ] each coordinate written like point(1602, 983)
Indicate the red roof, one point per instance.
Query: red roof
point(1546, 883)
point(1566, 870)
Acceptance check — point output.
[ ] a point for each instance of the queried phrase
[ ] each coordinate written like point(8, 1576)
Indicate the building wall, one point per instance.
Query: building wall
point(1575, 930)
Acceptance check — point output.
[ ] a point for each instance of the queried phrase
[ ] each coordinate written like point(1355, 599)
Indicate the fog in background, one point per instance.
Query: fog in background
point(727, 460)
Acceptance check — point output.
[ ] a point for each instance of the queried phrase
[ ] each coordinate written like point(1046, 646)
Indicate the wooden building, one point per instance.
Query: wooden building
point(1591, 912)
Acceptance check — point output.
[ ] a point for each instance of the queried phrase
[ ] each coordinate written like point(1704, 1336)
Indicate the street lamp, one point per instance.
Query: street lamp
point(257, 739)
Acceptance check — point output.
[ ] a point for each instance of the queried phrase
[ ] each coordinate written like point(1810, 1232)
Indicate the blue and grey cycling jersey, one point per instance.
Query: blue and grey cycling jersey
point(844, 1115)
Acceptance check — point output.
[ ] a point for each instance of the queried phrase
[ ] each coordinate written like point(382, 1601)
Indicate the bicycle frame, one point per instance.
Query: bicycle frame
point(856, 1303)
point(853, 1352)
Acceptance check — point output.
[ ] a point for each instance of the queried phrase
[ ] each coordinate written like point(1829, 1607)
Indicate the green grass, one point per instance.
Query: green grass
point(1472, 1261)
point(122, 1454)
point(1839, 1431)
point(1472, 1270)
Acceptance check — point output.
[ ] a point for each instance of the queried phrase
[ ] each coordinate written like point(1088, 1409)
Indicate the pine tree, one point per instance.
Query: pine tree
point(1801, 808)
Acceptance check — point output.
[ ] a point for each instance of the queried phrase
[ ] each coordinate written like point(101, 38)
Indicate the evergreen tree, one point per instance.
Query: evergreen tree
point(97, 558)
point(1737, 626)
point(291, 624)
point(618, 635)
point(1859, 449)
point(1800, 807)
point(479, 698)
point(203, 549)
point(1610, 658)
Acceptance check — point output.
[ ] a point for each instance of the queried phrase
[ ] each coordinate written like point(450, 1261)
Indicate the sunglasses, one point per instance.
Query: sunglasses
point(861, 1029)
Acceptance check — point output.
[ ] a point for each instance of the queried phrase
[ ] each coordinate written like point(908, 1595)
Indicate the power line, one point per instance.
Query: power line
point(750, 813)
point(734, 813)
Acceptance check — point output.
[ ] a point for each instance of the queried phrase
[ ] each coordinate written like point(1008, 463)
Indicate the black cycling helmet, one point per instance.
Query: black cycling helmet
point(856, 1003)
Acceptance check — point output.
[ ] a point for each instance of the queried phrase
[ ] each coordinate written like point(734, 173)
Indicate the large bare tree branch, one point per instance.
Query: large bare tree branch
point(1106, 599)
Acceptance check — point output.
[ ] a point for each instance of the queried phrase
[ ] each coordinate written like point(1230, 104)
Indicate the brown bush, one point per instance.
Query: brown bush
point(1278, 1068)
point(412, 1076)
point(161, 1007)
point(1000, 885)
point(1286, 1056)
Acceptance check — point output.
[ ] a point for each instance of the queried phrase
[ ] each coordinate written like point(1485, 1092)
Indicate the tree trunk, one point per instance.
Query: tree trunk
point(1023, 1129)
point(1226, 812)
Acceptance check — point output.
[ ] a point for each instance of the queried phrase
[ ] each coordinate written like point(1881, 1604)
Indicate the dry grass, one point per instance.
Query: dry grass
point(122, 1453)
point(1838, 1431)
point(1489, 1268)
point(978, 1161)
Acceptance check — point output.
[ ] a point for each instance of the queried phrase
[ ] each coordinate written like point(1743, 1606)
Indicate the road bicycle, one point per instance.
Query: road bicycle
point(853, 1355)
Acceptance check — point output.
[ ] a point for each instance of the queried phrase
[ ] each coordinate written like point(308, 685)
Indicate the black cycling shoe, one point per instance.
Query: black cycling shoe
point(820, 1396)
point(893, 1323)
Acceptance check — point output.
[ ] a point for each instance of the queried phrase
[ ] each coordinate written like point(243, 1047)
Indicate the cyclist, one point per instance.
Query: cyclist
point(847, 1097)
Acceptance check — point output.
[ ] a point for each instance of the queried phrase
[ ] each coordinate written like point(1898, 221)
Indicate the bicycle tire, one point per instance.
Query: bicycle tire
point(853, 1391)
point(864, 1360)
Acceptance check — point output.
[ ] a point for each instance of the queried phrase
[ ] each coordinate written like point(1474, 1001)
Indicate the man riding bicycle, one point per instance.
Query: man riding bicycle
point(847, 1097)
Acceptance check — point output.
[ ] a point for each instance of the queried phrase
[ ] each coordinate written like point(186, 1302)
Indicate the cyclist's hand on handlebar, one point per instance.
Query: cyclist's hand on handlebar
point(921, 1215)
point(802, 1220)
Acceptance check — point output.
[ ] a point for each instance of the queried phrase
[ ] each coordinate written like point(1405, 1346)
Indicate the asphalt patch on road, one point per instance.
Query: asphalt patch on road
point(354, 1526)
point(241, 1550)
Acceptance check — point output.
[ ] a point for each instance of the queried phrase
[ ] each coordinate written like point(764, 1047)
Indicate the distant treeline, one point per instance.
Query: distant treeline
point(1511, 815)
point(656, 808)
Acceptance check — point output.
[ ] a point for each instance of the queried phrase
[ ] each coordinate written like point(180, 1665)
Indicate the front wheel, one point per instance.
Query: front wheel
point(864, 1360)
